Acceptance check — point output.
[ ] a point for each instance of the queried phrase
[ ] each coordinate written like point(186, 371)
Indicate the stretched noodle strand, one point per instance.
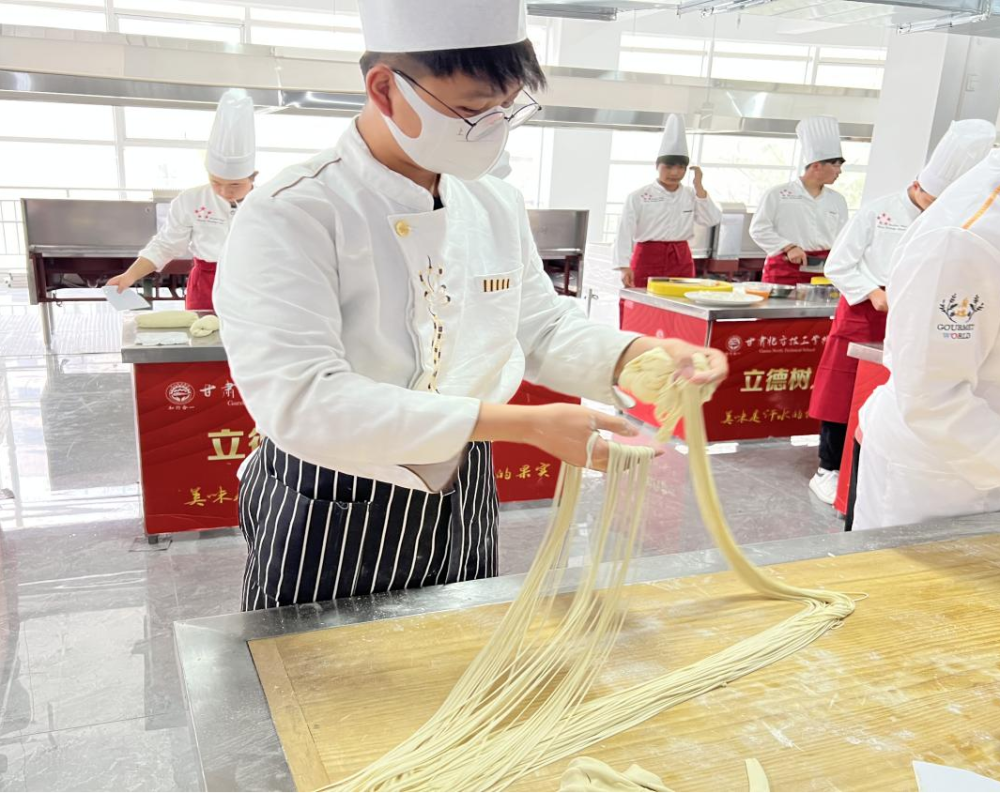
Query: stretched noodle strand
point(523, 703)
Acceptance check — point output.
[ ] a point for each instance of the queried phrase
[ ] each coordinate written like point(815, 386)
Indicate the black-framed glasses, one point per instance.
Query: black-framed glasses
point(482, 126)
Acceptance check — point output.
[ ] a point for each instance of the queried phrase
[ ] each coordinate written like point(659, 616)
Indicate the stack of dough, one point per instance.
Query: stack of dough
point(522, 704)
point(166, 319)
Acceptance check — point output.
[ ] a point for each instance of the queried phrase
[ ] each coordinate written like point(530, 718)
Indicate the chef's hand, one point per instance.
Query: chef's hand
point(699, 188)
point(628, 277)
point(562, 430)
point(123, 282)
point(565, 430)
point(683, 353)
point(796, 255)
point(879, 300)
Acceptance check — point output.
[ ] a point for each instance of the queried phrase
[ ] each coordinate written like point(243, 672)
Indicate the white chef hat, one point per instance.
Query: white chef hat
point(674, 142)
point(964, 145)
point(434, 25)
point(232, 143)
point(820, 139)
point(502, 169)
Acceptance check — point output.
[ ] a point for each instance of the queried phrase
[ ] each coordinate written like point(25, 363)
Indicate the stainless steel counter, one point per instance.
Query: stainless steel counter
point(86, 251)
point(770, 309)
point(237, 745)
point(865, 351)
point(207, 348)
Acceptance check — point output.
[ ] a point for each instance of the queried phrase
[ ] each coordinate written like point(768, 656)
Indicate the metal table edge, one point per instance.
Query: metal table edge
point(219, 676)
point(771, 309)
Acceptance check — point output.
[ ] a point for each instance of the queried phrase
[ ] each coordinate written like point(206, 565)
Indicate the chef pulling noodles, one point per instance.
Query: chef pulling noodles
point(931, 445)
point(797, 223)
point(859, 266)
point(199, 218)
point(382, 302)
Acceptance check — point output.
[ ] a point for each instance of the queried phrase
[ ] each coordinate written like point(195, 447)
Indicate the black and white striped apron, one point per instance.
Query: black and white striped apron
point(314, 534)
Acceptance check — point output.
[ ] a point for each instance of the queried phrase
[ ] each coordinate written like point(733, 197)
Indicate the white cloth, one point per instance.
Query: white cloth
point(196, 225)
point(789, 215)
point(654, 213)
point(674, 140)
point(432, 25)
point(963, 146)
point(859, 262)
point(345, 299)
point(232, 144)
point(938, 417)
point(820, 139)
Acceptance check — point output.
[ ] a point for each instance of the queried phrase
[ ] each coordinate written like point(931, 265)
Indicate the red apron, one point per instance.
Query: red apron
point(661, 260)
point(201, 279)
point(834, 386)
point(778, 270)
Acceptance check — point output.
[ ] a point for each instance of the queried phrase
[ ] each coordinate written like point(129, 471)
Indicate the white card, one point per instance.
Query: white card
point(129, 300)
point(164, 339)
point(932, 778)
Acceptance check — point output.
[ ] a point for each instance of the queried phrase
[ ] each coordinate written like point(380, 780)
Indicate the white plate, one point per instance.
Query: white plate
point(720, 299)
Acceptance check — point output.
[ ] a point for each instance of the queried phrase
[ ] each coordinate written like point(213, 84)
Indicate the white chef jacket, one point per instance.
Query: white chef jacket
point(364, 329)
point(860, 258)
point(654, 213)
point(937, 420)
point(197, 225)
point(789, 215)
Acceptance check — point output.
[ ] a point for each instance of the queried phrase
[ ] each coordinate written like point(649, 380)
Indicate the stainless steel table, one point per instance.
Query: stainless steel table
point(237, 745)
point(773, 308)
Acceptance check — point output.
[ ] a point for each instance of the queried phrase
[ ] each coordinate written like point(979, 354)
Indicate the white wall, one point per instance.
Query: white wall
point(574, 181)
point(931, 79)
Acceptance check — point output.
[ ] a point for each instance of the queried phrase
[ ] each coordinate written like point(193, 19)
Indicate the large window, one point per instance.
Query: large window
point(57, 150)
point(802, 64)
point(738, 169)
point(233, 23)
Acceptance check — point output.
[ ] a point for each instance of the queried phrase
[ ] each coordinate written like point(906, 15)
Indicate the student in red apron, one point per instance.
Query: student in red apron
point(796, 223)
point(860, 266)
point(198, 220)
point(658, 220)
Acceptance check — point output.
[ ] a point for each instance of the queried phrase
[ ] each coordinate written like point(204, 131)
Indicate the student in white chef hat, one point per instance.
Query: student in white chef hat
point(380, 305)
point(859, 266)
point(796, 223)
point(198, 221)
point(658, 220)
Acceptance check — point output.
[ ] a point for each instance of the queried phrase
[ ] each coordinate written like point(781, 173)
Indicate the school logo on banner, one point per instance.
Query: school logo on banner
point(960, 314)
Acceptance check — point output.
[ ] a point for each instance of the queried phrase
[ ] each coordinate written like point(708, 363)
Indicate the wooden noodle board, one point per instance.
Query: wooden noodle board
point(913, 674)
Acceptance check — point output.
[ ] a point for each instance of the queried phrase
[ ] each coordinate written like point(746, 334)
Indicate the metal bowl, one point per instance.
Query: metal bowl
point(782, 291)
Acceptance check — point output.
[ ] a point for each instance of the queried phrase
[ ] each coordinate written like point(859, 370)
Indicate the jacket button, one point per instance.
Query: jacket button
point(402, 228)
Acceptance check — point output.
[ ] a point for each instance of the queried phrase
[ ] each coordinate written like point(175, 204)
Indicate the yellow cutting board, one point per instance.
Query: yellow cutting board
point(914, 673)
point(678, 287)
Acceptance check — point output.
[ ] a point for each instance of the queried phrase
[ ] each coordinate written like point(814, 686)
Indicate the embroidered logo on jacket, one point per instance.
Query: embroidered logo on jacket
point(207, 215)
point(959, 314)
point(885, 223)
point(436, 297)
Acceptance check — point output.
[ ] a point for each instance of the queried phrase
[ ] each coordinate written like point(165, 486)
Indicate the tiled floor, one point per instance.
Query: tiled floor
point(89, 691)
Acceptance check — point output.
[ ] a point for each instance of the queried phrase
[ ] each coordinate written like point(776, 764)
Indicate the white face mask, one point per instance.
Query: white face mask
point(443, 145)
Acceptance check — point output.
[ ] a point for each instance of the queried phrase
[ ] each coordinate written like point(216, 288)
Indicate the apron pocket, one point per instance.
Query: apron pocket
point(311, 549)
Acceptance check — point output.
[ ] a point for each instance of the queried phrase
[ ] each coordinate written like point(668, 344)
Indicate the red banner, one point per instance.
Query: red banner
point(194, 433)
point(870, 376)
point(772, 363)
point(523, 472)
point(772, 368)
